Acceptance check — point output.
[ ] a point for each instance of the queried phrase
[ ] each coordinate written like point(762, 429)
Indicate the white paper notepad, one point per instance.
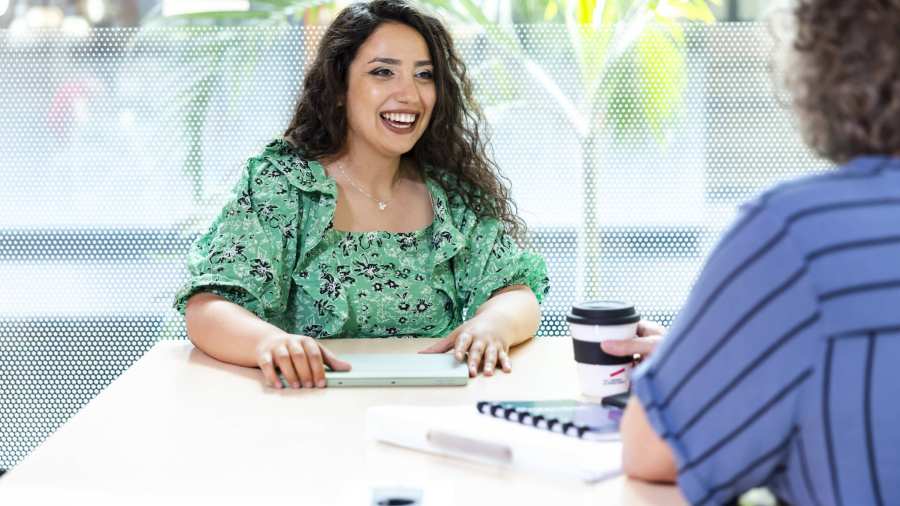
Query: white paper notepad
point(462, 432)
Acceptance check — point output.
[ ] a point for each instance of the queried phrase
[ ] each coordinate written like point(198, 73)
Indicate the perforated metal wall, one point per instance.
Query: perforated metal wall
point(118, 148)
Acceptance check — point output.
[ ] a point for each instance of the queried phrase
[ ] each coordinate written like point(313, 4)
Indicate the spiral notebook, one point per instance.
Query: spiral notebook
point(568, 417)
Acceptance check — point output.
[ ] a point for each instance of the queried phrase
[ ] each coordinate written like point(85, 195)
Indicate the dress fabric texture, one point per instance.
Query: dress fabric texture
point(273, 250)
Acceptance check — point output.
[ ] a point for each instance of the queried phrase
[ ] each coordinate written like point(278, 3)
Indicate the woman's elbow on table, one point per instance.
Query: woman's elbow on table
point(195, 316)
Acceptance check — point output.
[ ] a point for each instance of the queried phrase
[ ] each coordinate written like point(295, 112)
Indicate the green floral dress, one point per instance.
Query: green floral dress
point(273, 250)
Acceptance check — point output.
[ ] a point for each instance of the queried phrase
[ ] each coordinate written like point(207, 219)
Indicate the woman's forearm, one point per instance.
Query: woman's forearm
point(224, 330)
point(517, 309)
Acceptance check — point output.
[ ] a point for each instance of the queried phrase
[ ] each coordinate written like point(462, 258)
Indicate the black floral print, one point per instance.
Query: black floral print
point(311, 330)
point(246, 200)
point(229, 254)
point(407, 241)
point(367, 269)
point(422, 306)
point(273, 249)
point(262, 269)
point(330, 286)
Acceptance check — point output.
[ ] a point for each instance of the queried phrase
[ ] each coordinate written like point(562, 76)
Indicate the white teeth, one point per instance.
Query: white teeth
point(399, 117)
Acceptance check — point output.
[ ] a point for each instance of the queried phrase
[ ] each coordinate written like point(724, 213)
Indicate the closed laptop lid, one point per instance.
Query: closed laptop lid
point(379, 366)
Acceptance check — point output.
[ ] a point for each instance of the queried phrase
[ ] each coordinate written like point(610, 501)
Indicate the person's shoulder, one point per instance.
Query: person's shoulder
point(458, 199)
point(454, 187)
point(856, 180)
point(279, 163)
point(462, 196)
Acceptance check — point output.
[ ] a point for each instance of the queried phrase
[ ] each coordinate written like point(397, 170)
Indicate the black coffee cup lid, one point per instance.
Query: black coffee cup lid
point(603, 312)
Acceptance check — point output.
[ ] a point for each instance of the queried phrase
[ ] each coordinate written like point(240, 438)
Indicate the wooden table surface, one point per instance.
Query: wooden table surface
point(182, 428)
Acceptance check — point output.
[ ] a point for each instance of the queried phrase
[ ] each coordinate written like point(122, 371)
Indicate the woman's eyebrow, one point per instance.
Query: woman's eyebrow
point(394, 61)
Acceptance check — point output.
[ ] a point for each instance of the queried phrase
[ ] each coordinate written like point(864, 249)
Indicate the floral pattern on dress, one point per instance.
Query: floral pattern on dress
point(273, 249)
point(371, 275)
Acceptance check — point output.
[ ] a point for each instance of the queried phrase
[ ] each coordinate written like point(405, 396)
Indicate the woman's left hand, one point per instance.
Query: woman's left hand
point(485, 343)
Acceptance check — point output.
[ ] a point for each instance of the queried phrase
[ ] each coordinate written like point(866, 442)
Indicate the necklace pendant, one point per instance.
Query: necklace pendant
point(381, 206)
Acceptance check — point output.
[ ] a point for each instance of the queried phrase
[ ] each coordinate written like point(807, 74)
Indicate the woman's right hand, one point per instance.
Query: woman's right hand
point(300, 359)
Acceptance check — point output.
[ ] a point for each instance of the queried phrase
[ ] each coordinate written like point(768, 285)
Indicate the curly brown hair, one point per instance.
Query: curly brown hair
point(453, 145)
point(844, 76)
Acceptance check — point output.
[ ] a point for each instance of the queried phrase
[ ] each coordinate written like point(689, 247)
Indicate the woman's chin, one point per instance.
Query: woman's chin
point(397, 149)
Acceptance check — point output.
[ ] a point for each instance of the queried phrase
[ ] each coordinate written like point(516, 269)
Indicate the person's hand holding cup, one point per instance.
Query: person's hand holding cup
point(650, 334)
point(604, 338)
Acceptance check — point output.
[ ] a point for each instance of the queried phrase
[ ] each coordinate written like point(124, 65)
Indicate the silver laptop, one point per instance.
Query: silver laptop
point(399, 369)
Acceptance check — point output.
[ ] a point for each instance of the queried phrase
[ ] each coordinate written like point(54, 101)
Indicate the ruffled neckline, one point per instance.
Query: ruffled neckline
point(309, 176)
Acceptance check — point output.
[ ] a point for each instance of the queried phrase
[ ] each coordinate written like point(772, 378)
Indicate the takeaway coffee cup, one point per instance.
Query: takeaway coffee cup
point(601, 374)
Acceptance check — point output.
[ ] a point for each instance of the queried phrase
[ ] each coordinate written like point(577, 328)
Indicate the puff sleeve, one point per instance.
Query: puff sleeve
point(491, 260)
point(248, 253)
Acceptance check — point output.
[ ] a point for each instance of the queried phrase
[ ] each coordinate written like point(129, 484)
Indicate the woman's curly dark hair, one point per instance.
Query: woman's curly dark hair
point(844, 76)
point(453, 143)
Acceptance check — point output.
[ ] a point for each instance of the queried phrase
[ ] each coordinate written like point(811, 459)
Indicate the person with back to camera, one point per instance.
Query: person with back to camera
point(781, 369)
point(378, 214)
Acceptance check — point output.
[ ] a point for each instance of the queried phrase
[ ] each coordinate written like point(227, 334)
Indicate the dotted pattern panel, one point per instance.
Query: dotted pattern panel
point(119, 147)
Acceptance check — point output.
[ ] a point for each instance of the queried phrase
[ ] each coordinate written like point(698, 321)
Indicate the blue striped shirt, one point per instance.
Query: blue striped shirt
point(783, 368)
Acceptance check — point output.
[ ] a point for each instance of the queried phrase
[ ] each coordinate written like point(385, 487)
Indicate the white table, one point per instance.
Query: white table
point(182, 428)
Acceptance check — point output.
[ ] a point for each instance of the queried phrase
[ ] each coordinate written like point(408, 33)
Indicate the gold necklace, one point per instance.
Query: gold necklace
point(382, 204)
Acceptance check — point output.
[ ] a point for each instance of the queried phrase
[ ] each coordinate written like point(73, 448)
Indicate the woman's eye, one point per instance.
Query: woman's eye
point(382, 72)
point(425, 74)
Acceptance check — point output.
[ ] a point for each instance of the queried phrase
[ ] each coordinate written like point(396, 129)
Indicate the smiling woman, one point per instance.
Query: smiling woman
point(377, 214)
point(389, 100)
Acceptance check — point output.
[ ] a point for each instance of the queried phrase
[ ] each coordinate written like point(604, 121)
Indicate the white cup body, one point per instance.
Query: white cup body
point(598, 381)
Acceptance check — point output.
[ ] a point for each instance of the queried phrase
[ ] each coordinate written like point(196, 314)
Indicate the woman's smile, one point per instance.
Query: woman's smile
point(400, 122)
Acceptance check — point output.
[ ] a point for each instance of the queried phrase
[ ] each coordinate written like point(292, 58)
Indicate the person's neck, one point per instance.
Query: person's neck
point(377, 174)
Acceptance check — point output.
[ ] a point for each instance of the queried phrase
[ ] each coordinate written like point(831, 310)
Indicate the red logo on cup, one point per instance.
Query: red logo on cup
point(620, 371)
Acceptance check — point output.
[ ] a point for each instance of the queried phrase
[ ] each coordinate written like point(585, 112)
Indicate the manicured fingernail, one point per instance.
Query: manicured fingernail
point(320, 383)
point(295, 384)
point(307, 384)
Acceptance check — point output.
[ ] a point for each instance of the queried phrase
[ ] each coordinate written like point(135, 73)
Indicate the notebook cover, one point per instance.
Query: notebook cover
point(463, 432)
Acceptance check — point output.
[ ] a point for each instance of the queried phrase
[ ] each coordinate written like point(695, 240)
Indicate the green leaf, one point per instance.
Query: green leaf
point(551, 10)
point(610, 14)
point(661, 68)
point(584, 11)
point(475, 12)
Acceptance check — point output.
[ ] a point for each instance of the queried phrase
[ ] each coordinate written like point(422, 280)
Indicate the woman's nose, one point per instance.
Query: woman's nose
point(407, 92)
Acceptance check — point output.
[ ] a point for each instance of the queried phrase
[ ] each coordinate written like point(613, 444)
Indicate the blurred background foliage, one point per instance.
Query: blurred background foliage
point(629, 54)
point(616, 43)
